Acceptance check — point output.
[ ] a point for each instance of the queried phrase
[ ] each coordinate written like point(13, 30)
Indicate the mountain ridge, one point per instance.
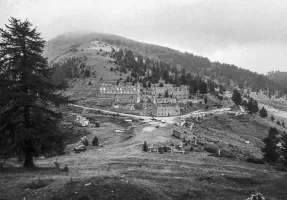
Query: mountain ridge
point(225, 73)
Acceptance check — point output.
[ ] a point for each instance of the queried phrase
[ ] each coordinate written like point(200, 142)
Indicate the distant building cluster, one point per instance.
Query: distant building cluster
point(181, 92)
point(121, 93)
point(164, 97)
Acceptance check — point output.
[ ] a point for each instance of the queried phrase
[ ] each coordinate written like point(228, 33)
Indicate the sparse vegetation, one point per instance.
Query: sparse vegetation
point(255, 160)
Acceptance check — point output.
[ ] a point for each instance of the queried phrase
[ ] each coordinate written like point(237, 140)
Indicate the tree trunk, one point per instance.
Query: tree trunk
point(29, 162)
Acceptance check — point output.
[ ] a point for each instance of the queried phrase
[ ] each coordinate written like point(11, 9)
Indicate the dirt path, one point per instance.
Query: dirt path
point(168, 120)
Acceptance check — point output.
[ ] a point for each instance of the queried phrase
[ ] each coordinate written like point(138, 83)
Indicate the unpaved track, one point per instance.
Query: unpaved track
point(169, 120)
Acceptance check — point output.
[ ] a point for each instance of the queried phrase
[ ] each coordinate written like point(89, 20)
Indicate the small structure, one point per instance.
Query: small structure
point(82, 121)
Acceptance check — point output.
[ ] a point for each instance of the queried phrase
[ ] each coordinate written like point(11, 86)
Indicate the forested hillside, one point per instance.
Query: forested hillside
point(279, 78)
point(224, 74)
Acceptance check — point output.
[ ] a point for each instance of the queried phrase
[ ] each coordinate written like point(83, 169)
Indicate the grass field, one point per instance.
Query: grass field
point(121, 170)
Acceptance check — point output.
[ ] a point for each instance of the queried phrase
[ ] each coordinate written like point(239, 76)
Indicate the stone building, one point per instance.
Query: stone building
point(164, 100)
point(121, 93)
point(181, 92)
point(162, 110)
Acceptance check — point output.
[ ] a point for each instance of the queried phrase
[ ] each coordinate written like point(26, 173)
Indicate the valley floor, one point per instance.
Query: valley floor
point(121, 170)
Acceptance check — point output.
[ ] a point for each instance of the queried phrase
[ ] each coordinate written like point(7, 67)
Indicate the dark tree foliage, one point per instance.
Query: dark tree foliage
point(252, 106)
point(95, 141)
point(236, 97)
point(145, 147)
point(278, 122)
point(28, 118)
point(270, 152)
point(166, 94)
point(284, 147)
point(263, 112)
point(272, 118)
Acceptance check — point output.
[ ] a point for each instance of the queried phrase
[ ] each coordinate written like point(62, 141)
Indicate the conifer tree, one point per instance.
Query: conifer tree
point(270, 152)
point(28, 115)
point(263, 112)
point(236, 97)
point(284, 147)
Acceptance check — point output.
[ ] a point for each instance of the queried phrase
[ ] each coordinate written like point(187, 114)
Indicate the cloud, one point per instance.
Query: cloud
point(232, 31)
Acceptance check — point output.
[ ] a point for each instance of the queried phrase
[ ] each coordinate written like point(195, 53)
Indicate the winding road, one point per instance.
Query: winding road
point(169, 119)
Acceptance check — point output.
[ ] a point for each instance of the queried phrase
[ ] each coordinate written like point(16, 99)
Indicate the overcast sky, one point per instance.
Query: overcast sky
point(248, 33)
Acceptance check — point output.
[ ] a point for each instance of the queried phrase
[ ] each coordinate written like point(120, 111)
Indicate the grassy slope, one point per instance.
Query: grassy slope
point(120, 170)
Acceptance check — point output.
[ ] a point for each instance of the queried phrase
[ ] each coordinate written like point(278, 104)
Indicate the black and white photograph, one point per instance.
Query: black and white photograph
point(143, 100)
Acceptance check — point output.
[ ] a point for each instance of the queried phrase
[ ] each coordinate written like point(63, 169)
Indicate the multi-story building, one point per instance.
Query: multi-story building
point(157, 90)
point(181, 92)
point(162, 110)
point(121, 93)
point(164, 100)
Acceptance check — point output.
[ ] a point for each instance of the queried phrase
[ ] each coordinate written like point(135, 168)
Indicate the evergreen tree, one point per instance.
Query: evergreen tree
point(270, 152)
point(145, 147)
point(255, 108)
point(263, 112)
point(272, 118)
point(284, 147)
point(236, 97)
point(28, 118)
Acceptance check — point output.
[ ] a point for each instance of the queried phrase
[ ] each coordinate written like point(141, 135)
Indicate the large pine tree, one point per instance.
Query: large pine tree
point(270, 150)
point(28, 99)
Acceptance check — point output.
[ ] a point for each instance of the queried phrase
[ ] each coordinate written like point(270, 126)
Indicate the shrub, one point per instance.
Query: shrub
point(278, 122)
point(206, 107)
point(165, 149)
point(255, 160)
point(85, 142)
point(272, 118)
point(211, 149)
point(90, 83)
point(145, 146)
point(95, 141)
point(65, 169)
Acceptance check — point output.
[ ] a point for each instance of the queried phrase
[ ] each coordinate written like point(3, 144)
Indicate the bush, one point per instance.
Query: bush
point(90, 83)
point(272, 118)
point(206, 107)
point(85, 141)
point(278, 122)
point(95, 141)
point(145, 147)
point(211, 149)
point(255, 160)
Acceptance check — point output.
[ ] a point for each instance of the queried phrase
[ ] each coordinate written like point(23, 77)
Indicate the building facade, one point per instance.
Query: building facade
point(181, 92)
point(164, 100)
point(166, 110)
point(122, 93)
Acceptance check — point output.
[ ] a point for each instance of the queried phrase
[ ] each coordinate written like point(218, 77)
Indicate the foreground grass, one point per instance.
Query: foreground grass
point(120, 170)
point(145, 176)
